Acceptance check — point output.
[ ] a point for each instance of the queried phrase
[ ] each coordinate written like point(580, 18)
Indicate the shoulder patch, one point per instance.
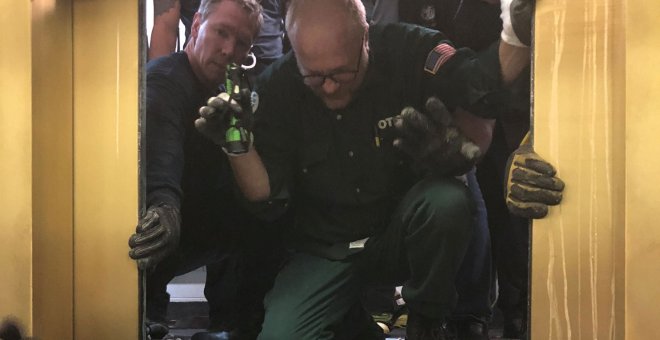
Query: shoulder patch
point(437, 57)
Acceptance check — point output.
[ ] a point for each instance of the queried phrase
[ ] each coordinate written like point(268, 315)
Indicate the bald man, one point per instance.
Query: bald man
point(340, 138)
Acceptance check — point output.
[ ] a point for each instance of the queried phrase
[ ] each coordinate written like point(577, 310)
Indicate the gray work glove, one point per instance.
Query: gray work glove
point(531, 184)
point(156, 236)
point(435, 145)
point(215, 116)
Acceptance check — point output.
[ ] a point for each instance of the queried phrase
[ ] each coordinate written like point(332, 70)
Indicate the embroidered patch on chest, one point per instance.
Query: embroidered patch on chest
point(437, 57)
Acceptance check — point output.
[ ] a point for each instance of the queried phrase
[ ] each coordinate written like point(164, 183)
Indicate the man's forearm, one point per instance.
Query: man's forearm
point(513, 60)
point(478, 130)
point(163, 41)
point(516, 37)
point(166, 28)
point(251, 176)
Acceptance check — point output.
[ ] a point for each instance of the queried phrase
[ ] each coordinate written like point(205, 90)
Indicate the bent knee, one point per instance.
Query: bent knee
point(447, 195)
point(441, 206)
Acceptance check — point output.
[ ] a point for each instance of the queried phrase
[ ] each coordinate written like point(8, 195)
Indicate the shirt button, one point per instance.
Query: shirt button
point(357, 190)
point(339, 117)
point(350, 154)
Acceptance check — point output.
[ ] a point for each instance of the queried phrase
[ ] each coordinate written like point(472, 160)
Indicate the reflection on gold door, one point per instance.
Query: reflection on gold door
point(85, 171)
point(595, 89)
point(105, 158)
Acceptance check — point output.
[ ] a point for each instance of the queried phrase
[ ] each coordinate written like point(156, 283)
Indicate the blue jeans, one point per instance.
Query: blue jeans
point(474, 280)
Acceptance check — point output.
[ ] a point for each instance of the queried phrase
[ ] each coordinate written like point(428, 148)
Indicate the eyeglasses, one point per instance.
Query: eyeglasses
point(341, 77)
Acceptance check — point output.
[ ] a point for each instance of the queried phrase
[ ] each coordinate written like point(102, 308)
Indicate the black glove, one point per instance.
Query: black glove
point(517, 21)
point(215, 117)
point(435, 146)
point(522, 12)
point(11, 329)
point(156, 236)
point(531, 184)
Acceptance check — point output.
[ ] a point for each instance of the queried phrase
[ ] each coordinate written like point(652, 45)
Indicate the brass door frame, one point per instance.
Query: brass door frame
point(16, 162)
point(85, 132)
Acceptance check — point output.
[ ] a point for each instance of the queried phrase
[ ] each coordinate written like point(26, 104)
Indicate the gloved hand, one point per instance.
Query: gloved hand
point(215, 117)
point(156, 236)
point(436, 146)
point(516, 18)
point(531, 184)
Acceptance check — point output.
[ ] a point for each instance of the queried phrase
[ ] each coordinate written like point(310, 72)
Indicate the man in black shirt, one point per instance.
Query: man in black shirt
point(193, 216)
point(365, 211)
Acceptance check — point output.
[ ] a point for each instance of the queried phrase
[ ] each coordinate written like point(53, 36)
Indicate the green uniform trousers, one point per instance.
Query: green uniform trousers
point(421, 248)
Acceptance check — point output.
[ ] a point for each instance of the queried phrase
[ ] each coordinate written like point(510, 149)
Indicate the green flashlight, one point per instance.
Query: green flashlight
point(236, 137)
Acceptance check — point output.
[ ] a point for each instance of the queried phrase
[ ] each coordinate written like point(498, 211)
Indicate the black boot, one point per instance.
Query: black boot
point(469, 329)
point(423, 328)
point(156, 329)
point(515, 328)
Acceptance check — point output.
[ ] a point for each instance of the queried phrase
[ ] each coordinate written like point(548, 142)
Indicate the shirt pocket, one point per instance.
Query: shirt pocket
point(314, 172)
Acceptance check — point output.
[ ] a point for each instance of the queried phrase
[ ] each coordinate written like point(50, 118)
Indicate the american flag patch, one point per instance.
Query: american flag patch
point(438, 57)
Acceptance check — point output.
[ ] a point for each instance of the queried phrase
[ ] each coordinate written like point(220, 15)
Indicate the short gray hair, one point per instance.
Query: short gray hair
point(354, 9)
point(252, 7)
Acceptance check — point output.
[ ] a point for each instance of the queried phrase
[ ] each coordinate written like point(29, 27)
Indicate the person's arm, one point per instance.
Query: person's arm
point(478, 130)
point(251, 175)
point(157, 233)
point(265, 171)
point(513, 60)
point(516, 37)
point(164, 141)
point(166, 28)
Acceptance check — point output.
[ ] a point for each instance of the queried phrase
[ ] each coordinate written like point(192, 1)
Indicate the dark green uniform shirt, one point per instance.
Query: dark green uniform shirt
point(343, 185)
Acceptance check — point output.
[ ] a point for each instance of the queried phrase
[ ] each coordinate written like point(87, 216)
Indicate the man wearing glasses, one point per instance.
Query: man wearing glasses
point(369, 208)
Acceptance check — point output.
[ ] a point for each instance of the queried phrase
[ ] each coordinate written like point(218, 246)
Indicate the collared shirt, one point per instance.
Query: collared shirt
point(343, 182)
